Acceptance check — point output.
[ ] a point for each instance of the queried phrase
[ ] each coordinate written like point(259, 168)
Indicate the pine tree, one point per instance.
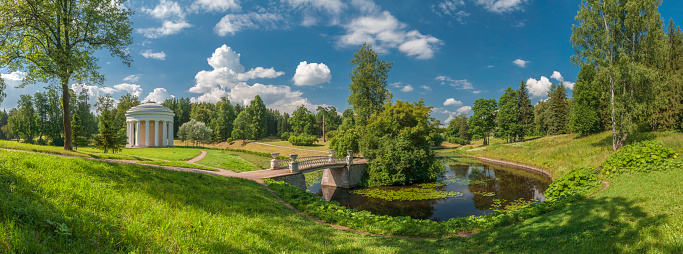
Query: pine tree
point(80, 139)
point(585, 115)
point(558, 111)
point(258, 114)
point(112, 137)
point(525, 121)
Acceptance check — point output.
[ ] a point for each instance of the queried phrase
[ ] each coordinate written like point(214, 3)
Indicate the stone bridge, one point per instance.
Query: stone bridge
point(342, 172)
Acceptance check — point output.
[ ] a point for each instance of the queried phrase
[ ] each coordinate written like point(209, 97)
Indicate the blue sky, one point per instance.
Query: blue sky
point(294, 52)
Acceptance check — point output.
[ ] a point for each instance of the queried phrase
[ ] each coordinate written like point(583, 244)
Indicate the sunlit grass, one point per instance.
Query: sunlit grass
point(561, 153)
point(222, 159)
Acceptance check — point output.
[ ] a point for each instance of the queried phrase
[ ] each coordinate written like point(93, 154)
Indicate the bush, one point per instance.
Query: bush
point(578, 181)
point(436, 139)
point(284, 136)
point(636, 156)
point(396, 161)
point(303, 140)
point(345, 140)
point(457, 140)
point(228, 140)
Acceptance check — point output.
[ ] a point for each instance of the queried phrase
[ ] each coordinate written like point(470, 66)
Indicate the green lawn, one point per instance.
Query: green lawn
point(561, 153)
point(225, 160)
point(55, 204)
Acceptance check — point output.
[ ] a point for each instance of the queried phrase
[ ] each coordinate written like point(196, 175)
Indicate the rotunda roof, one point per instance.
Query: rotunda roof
point(149, 107)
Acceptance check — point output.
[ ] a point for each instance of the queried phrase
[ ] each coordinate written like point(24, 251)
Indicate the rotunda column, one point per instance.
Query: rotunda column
point(147, 133)
point(157, 133)
point(170, 135)
point(137, 133)
point(165, 133)
point(128, 134)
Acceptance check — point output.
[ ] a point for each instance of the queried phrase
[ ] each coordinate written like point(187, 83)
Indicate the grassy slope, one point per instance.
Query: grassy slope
point(561, 153)
point(286, 149)
point(222, 159)
point(111, 207)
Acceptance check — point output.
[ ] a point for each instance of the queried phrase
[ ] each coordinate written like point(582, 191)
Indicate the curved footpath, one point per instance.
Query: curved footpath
point(516, 165)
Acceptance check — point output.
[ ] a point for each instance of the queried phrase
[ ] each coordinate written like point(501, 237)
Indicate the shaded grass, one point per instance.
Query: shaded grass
point(53, 204)
point(222, 159)
point(561, 153)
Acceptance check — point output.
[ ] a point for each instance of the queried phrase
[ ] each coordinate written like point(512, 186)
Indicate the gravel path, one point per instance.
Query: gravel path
point(198, 158)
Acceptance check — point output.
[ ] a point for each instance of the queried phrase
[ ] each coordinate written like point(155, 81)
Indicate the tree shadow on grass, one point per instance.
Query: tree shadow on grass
point(597, 225)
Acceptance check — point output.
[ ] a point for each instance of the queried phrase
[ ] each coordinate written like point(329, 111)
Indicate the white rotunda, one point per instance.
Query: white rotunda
point(149, 125)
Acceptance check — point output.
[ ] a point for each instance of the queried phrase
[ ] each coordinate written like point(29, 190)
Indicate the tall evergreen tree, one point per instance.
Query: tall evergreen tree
point(3, 122)
point(112, 137)
point(126, 102)
point(80, 139)
point(558, 110)
point(258, 114)
point(667, 108)
point(25, 122)
point(508, 115)
point(525, 122)
point(585, 115)
point(368, 84)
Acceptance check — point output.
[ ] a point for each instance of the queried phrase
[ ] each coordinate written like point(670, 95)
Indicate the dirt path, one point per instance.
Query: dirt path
point(198, 158)
point(288, 147)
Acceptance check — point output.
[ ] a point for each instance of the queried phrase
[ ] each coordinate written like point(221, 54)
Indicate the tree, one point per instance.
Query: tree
point(303, 121)
point(195, 131)
point(258, 114)
point(558, 110)
point(540, 117)
point(585, 115)
point(112, 137)
point(3, 86)
point(182, 109)
point(368, 84)
point(525, 122)
point(24, 122)
point(397, 145)
point(241, 129)
point(126, 102)
point(283, 125)
point(327, 120)
point(624, 40)
point(202, 112)
point(3, 123)
point(508, 115)
point(667, 108)
point(57, 40)
point(483, 120)
point(80, 138)
point(225, 116)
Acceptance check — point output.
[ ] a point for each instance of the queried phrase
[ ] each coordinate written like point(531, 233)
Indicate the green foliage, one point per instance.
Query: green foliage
point(368, 84)
point(241, 128)
point(508, 115)
point(303, 121)
point(458, 128)
point(396, 143)
point(195, 131)
point(345, 140)
point(483, 121)
point(57, 40)
point(23, 121)
point(80, 138)
point(302, 140)
point(285, 136)
point(585, 116)
point(558, 110)
point(637, 155)
point(526, 112)
point(423, 191)
point(258, 115)
point(112, 137)
point(577, 182)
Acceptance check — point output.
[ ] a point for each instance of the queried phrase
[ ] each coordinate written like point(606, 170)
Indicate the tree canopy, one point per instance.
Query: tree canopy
point(368, 84)
point(56, 40)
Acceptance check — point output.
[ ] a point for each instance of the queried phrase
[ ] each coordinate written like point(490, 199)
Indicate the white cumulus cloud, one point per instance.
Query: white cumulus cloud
point(133, 89)
point(233, 23)
point(311, 74)
point(165, 10)
point(538, 88)
point(557, 76)
point(159, 95)
point(385, 32)
point(521, 63)
point(172, 17)
point(331, 6)
point(452, 102)
point(407, 89)
point(154, 55)
point(464, 110)
point(275, 97)
point(14, 76)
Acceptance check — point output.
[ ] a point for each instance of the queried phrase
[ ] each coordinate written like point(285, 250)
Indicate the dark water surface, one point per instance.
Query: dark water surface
point(462, 175)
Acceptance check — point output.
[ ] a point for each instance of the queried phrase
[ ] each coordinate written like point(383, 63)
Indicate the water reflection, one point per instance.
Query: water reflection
point(480, 183)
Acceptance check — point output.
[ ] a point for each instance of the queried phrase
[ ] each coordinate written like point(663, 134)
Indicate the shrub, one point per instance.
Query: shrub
point(577, 181)
point(345, 140)
point(436, 138)
point(303, 140)
point(228, 140)
point(284, 136)
point(636, 156)
point(396, 161)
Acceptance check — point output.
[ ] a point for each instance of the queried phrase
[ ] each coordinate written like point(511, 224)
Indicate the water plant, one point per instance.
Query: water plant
point(423, 191)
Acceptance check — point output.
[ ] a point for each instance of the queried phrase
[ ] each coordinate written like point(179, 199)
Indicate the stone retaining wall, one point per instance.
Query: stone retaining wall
point(516, 165)
point(297, 180)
